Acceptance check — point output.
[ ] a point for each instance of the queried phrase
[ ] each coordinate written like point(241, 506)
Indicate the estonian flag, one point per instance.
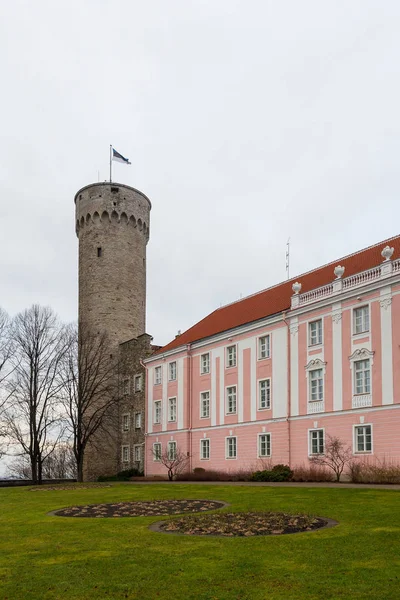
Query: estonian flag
point(119, 158)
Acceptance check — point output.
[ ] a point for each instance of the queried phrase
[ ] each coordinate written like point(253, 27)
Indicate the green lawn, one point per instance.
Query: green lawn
point(52, 557)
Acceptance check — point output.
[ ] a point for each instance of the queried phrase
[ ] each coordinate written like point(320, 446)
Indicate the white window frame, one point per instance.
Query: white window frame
point(310, 432)
point(363, 332)
point(202, 400)
point(157, 411)
point(268, 395)
point(125, 386)
point(204, 365)
point(320, 338)
point(202, 441)
point(259, 436)
point(170, 414)
point(137, 449)
point(172, 371)
point(156, 455)
point(138, 383)
point(126, 421)
point(362, 425)
point(230, 437)
point(310, 386)
point(364, 392)
point(267, 350)
point(172, 444)
point(228, 356)
point(158, 375)
point(227, 412)
point(124, 448)
point(138, 414)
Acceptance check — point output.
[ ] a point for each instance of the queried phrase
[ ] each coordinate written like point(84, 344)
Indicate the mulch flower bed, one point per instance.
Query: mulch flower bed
point(242, 524)
point(57, 488)
point(140, 509)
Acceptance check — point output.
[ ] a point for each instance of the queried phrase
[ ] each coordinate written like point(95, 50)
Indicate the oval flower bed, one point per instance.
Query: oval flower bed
point(153, 508)
point(242, 524)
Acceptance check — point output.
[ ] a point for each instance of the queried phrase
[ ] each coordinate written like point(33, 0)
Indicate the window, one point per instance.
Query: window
point(316, 441)
point(316, 385)
point(125, 422)
point(157, 411)
point(157, 375)
point(231, 399)
point(204, 449)
point(361, 319)
point(138, 453)
point(125, 453)
point(205, 405)
point(125, 387)
point(362, 376)
point(264, 393)
point(264, 445)
point(205, 363)
point(231, 450)
point(171, 450)
point(315, 333)
point(138, 383)
point(99, 252)
point(172, 409)
point(363, 438)
point(231, 356)
point(172, 371)
point(138, 420)
point(264, 347)
point(157, 451)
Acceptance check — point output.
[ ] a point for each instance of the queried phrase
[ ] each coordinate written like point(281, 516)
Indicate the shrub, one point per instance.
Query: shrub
point(311, 473)
point(199, 470)
point(277, 473)
point(200, 474)
point(121, 476)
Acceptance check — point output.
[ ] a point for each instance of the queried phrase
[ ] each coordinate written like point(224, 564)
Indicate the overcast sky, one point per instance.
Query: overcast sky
point(246, 122)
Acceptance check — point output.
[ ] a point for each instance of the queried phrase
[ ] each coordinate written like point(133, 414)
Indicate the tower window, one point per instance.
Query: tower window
point(99, 252)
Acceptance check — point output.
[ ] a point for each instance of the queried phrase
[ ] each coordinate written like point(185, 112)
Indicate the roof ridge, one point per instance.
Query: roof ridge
point(306, 273)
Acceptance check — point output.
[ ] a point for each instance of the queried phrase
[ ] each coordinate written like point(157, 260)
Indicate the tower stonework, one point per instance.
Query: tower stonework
point(112, 225)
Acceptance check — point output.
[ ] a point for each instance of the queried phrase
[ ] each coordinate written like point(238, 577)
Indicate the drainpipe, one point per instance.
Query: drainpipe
point(289, 388)
point(189, 404)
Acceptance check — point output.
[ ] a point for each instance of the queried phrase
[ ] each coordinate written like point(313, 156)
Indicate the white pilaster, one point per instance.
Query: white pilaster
point(180, 399)
point(337, 356)
point(150, 383)
point(386, 345)
point(294, 366)
point(164, 404)
point(279, 373)
point(222, 389)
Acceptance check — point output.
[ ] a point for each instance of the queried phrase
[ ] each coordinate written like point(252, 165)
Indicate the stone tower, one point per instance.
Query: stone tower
point(112, 225)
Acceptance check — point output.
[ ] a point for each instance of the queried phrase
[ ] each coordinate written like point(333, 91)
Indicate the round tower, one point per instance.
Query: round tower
point(112, 224)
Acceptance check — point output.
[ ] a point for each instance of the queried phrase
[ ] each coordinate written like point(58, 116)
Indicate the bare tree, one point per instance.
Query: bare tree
point(90, 391)
point(32, 415)
point(6, 350)
point(336, 456)
point(172, 458)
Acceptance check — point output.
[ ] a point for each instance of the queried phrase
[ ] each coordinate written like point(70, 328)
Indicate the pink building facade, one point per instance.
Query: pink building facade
point(271, 376)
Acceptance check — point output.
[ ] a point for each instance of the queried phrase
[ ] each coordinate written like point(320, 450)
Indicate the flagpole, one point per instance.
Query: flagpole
point(110, 163)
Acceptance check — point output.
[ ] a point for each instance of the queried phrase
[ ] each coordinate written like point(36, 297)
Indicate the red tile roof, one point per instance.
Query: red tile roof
point(278, 298)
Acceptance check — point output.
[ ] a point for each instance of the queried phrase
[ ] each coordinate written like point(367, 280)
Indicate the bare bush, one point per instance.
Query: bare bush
point(173, 459)
point(311, 473)
point(384, 471)
point(337, 456)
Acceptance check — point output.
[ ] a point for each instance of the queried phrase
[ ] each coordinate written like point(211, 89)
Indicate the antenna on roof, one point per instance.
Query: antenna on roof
point(287, 257)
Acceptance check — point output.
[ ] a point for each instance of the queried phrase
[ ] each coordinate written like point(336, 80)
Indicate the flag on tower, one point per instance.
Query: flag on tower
point(119, 158)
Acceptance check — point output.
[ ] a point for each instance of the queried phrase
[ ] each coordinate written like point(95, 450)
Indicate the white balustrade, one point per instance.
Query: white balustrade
point(361, 278)
point(396, 266)
point(315, 407)
point(362, 400)
point(316, 294)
